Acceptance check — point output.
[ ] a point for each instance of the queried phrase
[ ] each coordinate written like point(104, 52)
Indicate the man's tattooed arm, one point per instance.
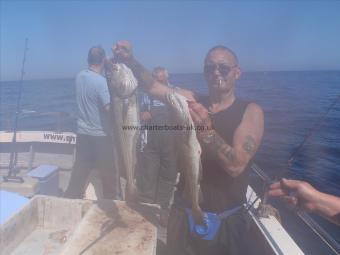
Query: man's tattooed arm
point(122, 51)
point(249, 145)
point(146, 81)
point(234, 157)
point(231, 159)
point(143, 75)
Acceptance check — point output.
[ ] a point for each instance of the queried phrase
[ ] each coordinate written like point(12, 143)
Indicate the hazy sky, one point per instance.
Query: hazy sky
point(266, 35)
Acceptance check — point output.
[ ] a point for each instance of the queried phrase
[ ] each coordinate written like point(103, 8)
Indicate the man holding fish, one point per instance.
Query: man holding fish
point(230, 133)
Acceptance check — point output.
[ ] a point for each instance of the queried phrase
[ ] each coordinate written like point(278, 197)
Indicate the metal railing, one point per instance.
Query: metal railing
point(308, 220)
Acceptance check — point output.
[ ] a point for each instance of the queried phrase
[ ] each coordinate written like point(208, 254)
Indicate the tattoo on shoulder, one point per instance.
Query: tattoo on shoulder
point(249, 145)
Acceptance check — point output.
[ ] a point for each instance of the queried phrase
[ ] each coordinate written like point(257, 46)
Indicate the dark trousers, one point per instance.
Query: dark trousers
point(232, 238)
point(93, 152)
point(156, 175)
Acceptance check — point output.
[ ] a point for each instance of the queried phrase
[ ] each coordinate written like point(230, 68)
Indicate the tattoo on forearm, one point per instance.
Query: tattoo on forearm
point(228, 153)
point(249, 145)
point(219, 142)
point(216, 146)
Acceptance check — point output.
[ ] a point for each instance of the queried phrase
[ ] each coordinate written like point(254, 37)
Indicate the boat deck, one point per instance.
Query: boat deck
point(65, 162)
point(51, 225)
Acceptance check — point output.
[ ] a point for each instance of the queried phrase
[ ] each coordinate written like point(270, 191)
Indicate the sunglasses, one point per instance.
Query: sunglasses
point(224, 69)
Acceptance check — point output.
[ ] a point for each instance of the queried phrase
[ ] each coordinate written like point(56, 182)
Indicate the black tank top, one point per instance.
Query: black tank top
point(221, 191)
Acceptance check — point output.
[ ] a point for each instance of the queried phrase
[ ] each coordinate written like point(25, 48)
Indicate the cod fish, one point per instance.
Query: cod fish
point(125, 113)
point(188, 152)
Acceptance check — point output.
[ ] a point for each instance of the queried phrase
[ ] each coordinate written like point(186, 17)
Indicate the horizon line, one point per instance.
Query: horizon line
point(174, 73)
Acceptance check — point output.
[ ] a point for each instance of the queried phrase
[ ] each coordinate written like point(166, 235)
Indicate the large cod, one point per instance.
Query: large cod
point(122, 85)
point(188, 152)
point(125, 118)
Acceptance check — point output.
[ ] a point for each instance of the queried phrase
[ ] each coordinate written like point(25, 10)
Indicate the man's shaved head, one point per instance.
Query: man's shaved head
point(96, 55)
point(220, 49)
point(221, 69)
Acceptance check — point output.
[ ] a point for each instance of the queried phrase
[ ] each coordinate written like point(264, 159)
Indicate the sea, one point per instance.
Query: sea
point(301, 108)
point(302, 117)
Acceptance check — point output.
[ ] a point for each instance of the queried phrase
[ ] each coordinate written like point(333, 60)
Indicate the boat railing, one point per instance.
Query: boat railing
point(60, 118)
point(305, 217)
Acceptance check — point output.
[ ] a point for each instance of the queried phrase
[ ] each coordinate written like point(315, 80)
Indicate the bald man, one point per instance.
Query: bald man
point(94, 148)
point(232, 134)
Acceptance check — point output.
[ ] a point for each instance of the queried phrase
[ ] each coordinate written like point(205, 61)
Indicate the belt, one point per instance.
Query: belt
point(212, 223)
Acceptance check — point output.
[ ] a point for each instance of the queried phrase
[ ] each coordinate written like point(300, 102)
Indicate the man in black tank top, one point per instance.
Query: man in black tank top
point(233, 133)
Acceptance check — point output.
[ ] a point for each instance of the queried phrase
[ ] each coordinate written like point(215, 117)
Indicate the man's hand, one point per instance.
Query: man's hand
point(188, 94)
point(295, 193)
point(122, 51)
point(145, 116)
point(302, 195)
point(200, 116)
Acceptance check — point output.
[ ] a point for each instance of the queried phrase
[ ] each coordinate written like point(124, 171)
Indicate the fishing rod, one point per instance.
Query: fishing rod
point(13, 169)
point(298, 148)
point(292, 158)
point(308, 220)
point(312, 224)
point(315, 128)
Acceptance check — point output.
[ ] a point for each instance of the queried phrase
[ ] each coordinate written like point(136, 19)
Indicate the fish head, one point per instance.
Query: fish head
point(179, 107)
point(121, 80)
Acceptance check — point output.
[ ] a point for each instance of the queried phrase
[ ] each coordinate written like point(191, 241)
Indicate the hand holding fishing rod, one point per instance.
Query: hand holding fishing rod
point(308, 220)
point(302, 195)
point(298, 193)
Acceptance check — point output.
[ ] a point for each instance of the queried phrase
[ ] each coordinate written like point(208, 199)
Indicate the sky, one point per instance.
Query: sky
point(265, 35)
